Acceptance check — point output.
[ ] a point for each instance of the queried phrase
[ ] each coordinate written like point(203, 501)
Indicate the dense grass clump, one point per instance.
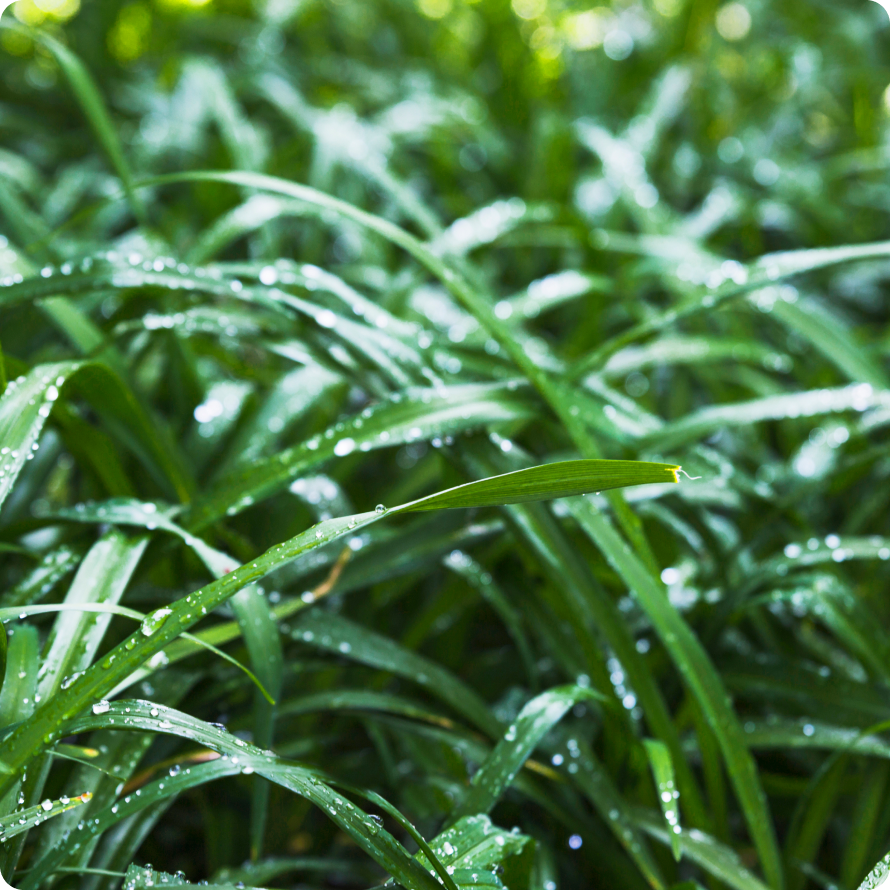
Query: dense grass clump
point(350, 354)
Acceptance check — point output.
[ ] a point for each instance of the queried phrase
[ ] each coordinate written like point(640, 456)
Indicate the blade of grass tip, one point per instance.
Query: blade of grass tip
point(90, 100)
point(534, 721)
point(663, 773)
point(700, 676)
point(538, 483)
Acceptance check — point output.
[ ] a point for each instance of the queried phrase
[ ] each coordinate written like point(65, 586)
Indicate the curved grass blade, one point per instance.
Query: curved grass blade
point(560, 479)
point(535, 720)
point(24, 407)
point(30, 398)
point(473, 842)
point(418, 415)
point(831, 337)
point(858, 397)
point(110, 609)
point(879, 877)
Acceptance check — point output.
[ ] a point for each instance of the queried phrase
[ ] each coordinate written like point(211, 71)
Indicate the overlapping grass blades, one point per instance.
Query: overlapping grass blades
point(558, 665)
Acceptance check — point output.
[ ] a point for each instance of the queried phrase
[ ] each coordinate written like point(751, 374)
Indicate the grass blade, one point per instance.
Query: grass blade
point(535, 720)
point(699, 674)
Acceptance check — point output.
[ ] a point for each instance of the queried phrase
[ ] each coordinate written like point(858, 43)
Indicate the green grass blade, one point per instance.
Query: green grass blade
point(715, 858)
point(700, 676)
point(663, 772)
point(555, 480)
point(877, 877)
point(76, 636)
point(26, 819)
point(24, 407)
point(260, 632)
point(535, 720)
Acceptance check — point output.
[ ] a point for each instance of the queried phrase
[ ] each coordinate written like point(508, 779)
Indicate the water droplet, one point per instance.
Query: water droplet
point(344, 447)
point(379, 509)
point(154, 621)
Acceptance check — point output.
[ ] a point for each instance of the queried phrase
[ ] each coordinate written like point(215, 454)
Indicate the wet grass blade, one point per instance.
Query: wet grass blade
point(561, 479)
point(663, 772)
point(700, 676)
point(24, 820)
point(535, 720)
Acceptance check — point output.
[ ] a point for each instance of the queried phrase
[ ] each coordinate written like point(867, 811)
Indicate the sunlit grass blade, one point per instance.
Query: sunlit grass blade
point(663, 772)
point(25, 820)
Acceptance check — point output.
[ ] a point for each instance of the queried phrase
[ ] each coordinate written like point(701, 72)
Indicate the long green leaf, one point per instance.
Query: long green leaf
point(699, 674)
